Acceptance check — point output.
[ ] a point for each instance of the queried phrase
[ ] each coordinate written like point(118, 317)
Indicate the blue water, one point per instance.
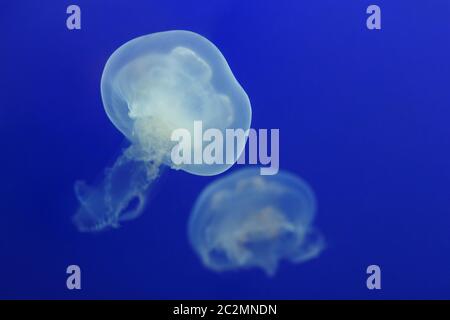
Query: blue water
point(363, 117)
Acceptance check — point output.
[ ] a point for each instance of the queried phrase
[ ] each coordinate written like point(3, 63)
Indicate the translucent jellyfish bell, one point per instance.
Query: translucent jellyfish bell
point(247, 220)
point(160, 82)
point(151, 86)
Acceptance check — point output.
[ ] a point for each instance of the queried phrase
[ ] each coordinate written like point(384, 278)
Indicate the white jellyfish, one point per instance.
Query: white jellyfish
point(151, 86)
point(247, 220)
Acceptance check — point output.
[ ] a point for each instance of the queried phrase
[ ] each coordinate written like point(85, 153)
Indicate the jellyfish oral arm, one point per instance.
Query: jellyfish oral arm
point(119, 196)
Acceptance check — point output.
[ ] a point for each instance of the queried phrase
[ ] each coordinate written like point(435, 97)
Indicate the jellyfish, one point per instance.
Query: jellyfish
point(245, 220)
point(151, 86)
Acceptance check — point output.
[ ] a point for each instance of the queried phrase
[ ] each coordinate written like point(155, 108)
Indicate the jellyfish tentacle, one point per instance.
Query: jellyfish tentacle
point(312, 244)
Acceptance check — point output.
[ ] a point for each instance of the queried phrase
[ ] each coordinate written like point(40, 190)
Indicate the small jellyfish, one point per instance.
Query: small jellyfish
point(151, 86)
point(246, 220)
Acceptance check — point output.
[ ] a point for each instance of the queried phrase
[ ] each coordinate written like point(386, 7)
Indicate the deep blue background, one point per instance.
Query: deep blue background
point(364, 118)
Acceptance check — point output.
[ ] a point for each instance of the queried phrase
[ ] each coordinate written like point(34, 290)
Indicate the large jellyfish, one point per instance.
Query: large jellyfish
point(247, 220)
point(151, 86)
